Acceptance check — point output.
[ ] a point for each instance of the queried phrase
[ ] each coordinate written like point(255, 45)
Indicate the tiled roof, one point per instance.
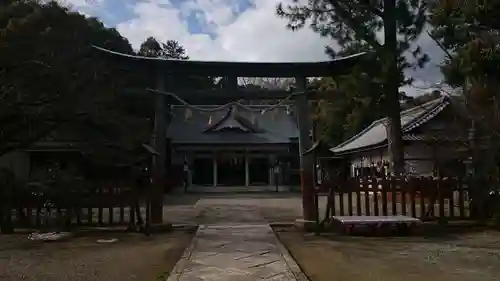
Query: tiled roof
point(376, 134)
point(248, 127)
point(440, 138)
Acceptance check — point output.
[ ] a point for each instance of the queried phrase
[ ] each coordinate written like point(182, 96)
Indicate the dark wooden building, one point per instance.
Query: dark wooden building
point(234, 146)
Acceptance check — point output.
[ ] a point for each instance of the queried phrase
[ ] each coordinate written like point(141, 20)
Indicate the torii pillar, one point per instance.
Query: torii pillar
point(162, 116)
point(306, 160)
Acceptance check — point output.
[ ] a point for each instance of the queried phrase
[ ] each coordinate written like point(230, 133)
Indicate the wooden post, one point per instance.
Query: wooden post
point(247, 170)
point(272, 160)
point(214, 170)
point(159, 143)
point(306, 161)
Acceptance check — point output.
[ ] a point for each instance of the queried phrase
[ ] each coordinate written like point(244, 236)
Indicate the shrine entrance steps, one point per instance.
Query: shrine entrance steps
point(236, 252)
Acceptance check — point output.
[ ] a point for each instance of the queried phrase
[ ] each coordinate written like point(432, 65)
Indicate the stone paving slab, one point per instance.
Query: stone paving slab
point(236, 252)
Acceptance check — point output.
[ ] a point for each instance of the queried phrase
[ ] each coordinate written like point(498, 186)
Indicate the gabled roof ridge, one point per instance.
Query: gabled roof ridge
point(246, 123)
point(431, 102)
point(412, 109)
point(432, 105)
point(428, 114)
point(236, 117)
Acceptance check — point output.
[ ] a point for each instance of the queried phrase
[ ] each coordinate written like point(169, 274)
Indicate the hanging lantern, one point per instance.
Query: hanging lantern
point(188, 113)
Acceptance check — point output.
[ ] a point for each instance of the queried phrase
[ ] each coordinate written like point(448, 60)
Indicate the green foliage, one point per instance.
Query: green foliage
point(151, 47)
point(386, 28)
point(358, 103)
point(358, 25)
point(52, 84)
point(469, 33)
point(169, 50)
point(351, 110)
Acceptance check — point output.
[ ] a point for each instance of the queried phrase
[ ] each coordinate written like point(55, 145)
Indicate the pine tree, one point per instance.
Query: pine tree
point(361, 22)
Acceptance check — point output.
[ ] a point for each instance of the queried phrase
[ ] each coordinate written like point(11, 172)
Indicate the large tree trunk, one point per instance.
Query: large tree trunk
point(391, 89)
point(395, 147)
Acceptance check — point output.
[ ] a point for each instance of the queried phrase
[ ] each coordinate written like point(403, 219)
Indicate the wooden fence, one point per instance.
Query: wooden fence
point(108, 205)
point(423, 198)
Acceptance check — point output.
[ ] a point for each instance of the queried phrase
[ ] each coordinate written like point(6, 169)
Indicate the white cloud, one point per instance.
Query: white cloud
point(215, 12)
point(82, 3)
point(255, 34)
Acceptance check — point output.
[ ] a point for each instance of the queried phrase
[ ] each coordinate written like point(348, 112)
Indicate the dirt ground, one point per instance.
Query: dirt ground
point(468, 255)
point(133, 257)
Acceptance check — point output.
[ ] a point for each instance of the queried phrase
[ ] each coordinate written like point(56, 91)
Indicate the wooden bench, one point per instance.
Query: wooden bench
point(376, 225)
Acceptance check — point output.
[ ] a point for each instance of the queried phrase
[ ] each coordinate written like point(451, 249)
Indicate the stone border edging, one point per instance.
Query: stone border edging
point(178, 269)
point(290, 262)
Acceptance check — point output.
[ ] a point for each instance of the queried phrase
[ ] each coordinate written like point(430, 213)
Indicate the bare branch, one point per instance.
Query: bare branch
point(441, 46)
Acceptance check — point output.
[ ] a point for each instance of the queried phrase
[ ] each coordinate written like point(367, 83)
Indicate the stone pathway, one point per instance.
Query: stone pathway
point(236, 252)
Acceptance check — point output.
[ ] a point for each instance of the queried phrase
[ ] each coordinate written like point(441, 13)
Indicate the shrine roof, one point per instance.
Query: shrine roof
point(237, 127)
point(241, 69)
point(375, 135)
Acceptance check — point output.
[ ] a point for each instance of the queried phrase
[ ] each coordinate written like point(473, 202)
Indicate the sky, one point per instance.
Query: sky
point(231, 30)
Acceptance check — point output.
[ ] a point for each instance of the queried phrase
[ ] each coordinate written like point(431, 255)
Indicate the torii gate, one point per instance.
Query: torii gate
point(163, 68)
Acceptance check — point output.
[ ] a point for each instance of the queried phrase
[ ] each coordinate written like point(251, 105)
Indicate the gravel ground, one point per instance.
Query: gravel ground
point(136, 257)
point(133, 257)
point(473, 255)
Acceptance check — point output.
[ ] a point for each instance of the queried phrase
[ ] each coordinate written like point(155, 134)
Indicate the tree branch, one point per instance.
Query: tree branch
point(376, 11)
point(360, 30)
point(440, 45)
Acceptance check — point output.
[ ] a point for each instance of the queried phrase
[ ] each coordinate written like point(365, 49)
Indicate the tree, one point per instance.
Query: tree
point(171, 49)
point(358, 23)
point(469, 34)
point(357, 104)
point(53, 87)
point(58, 87)
point(273, 83)
point(150, 48)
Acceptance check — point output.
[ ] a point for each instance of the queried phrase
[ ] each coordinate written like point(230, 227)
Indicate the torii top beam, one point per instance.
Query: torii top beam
point(241, 69)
